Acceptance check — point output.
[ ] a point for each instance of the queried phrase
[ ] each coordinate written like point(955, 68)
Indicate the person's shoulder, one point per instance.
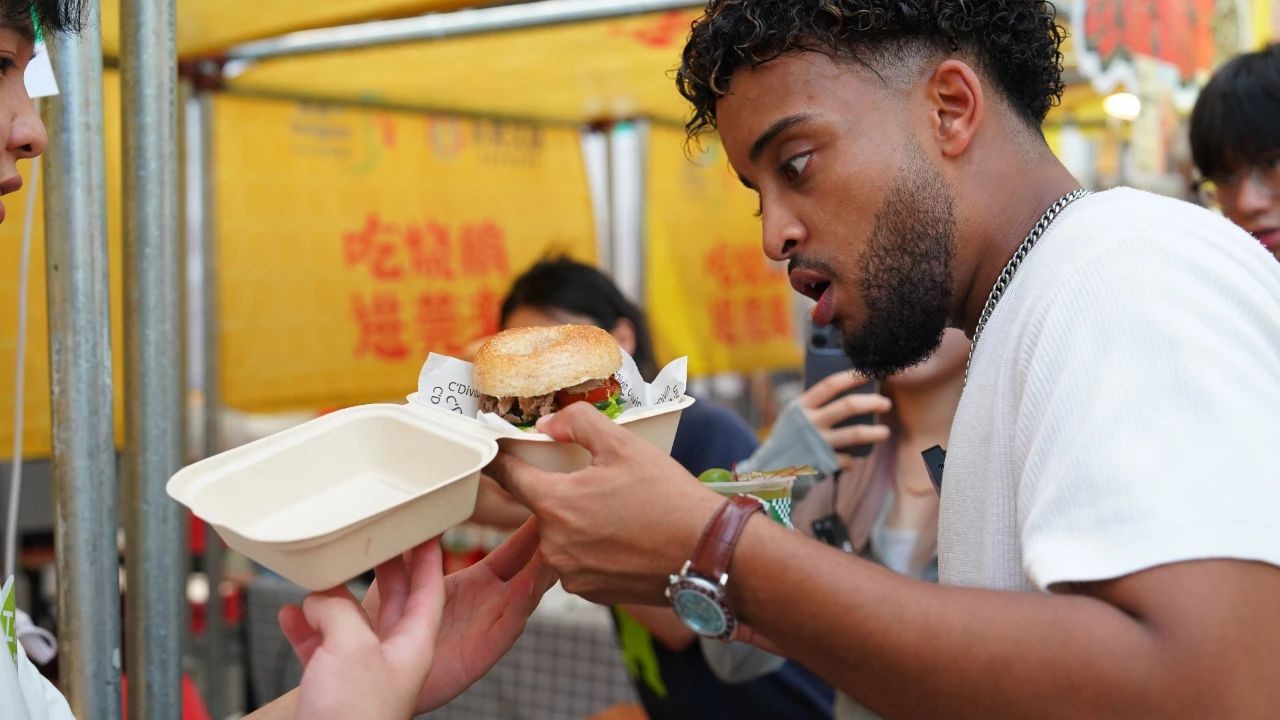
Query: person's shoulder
point(712, 417)
point(1138, 242)
point(1117, 220)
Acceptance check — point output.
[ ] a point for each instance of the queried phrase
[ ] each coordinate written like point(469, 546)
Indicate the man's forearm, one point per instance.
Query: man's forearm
point(909, 649)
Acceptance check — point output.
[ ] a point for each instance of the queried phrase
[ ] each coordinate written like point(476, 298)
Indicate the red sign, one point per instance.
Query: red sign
point(753, 301)
point(1178, 32)
point(664, 31)
point(381, 327)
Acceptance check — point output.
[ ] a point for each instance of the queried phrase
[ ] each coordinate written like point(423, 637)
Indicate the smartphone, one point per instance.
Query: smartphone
point(824, 356)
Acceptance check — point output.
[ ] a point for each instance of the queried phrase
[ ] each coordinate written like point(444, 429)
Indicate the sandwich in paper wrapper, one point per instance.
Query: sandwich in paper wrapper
point(451, 385)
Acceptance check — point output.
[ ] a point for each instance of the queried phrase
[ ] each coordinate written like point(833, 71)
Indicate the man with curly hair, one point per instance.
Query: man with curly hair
point(1106, 541)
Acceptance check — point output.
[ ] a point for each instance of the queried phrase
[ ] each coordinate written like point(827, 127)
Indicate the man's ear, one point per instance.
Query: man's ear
point(958, 106)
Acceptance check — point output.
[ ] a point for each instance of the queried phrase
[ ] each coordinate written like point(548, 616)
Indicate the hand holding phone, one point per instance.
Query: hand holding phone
point(841, 404)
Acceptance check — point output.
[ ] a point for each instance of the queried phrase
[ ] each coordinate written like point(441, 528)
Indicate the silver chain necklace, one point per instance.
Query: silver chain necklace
point(1006, 275)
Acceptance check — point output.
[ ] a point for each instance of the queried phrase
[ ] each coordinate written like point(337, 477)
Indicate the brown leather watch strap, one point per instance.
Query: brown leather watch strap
point(715, 549)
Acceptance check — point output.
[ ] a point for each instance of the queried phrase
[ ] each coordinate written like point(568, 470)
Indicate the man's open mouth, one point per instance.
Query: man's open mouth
point(809, 284)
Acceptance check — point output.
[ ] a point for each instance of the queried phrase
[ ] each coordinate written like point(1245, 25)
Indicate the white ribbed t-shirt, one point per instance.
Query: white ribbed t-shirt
point(1123, 406)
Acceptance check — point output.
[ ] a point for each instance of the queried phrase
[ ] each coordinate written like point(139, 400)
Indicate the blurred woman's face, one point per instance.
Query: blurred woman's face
point(525, 316)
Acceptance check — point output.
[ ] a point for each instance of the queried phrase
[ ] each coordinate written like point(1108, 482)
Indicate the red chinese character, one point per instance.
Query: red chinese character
point(753, 312)
point(486, 306)
point(779, 312)
point(752, 267)
point(719, 264)
point(374, 245)
point(430, 250)
point(723, 321)
point(484, 250)
point(381, 329)
point(437, 323)
point(386, 123)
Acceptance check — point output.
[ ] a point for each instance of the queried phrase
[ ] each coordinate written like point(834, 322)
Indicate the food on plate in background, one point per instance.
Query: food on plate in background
point(715, 475)
point(771, 487)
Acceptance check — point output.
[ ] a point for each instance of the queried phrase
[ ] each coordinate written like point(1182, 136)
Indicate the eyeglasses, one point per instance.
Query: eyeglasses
point(1225, 189)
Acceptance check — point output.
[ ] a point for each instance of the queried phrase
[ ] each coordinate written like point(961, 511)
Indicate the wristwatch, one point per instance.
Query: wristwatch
point(697, 593)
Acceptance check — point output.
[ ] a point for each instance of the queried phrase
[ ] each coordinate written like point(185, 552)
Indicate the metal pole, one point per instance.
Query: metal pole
point(595, 157)
point(628, 155)
point(154, 621)
point(209, 284)
point(436, 26)
point(84, 460)
point(202, 356)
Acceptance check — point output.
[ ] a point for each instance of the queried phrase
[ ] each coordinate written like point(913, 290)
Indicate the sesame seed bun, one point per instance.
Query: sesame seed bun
point(533, 361)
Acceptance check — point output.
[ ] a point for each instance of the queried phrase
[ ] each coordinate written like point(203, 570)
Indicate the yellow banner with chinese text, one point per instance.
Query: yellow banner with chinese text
point(352, 242)
point(711, 292)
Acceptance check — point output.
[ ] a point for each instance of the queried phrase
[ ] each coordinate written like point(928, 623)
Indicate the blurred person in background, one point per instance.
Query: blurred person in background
point(1235, 141)
point(884, 506)
point(669, 672)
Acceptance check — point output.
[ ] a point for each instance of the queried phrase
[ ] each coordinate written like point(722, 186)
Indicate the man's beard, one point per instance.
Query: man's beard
point(906, 282)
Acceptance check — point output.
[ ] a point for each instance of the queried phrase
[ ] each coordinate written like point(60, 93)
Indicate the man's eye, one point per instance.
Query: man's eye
point(794, 168)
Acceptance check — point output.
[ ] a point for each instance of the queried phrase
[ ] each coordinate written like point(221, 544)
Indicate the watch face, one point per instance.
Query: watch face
point(702, 614)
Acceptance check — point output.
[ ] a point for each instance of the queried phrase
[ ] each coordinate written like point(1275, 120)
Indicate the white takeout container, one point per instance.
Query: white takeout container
point(326, 500)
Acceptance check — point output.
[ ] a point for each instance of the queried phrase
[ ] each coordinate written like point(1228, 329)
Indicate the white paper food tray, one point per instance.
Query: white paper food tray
point(322, 502)
point(326, 500)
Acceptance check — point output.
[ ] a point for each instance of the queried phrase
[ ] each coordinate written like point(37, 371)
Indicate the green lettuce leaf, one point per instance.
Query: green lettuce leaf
point(611, 407)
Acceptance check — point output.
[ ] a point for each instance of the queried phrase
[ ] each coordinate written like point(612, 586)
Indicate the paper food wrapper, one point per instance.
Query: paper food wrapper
point(445, 383)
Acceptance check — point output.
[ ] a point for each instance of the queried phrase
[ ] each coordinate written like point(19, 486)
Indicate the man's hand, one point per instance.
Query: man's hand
point(358, 668)
point(616, 529)
point(826, 406)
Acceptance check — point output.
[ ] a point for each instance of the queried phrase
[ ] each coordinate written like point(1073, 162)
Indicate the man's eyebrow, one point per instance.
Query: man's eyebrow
point(776, 129)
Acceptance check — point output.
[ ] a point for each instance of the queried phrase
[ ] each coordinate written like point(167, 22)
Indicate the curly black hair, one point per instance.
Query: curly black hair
point(1015, 43)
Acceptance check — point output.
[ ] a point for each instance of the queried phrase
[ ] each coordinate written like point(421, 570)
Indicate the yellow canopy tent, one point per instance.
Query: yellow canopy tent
point(583, 72)
point(206, 26)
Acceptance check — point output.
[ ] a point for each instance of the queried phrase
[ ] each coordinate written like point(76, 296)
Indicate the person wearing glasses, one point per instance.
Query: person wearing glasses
point(1235, 142)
